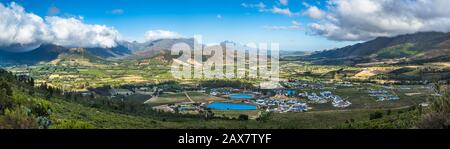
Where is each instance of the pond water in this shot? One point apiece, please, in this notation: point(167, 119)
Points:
point(231, 106)
point(241, 96)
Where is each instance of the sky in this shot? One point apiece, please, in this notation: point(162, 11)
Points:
point(307, 25)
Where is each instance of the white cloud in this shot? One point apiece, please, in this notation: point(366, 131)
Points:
point(284, 2)
point(161, 34)
point(305, 4)
point(285, 11)
point(275, 9)
point(23, 31)
point(73, 32)
point(314, 12)
point(295, 23)
point(366, 19)
point(294, 26)
point(260, 6)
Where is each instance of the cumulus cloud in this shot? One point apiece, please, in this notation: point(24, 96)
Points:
point(161, 34)
point(314, 12)
point(23, 31)
point(72, 32)
point(353, 20)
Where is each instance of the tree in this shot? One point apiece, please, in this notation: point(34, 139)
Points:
point(438, 116)
point(209, 114)
point(5, 86)
point(5, 100)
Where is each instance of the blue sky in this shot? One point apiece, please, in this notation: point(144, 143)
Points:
point(216, 20)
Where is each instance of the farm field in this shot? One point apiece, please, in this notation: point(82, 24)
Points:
point(83, 76)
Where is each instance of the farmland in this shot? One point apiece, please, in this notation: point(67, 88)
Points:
point(132, 87)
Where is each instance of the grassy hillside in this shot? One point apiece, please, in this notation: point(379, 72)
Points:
point(398, 51)
point(422, 46)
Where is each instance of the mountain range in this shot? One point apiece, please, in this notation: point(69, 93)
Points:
point(410, 48)
point(124, 49)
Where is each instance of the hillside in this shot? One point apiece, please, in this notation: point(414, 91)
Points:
point(422, 46)
point(44, 53)
point(50, 52)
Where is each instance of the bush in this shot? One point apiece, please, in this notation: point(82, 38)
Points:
point(43, 122)
point(41, 109)
point(435, 120)
point(6, 102)
point(375, 115)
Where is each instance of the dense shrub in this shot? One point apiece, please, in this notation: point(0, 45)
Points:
point(438, 116)
point(18, 118)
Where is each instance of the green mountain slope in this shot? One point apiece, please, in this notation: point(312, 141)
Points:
point(422, 46)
